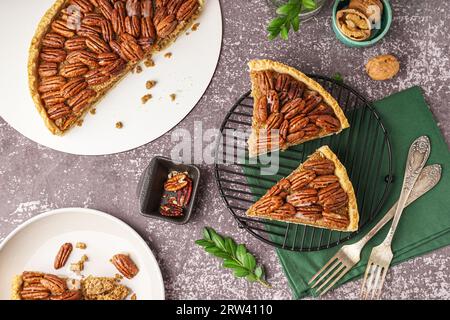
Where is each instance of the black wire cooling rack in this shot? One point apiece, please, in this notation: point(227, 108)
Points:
point(364, 149)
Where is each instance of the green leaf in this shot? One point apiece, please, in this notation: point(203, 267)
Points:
point(241, 252)
point(218, 241)
point(249, 261)
point(230, 246)
point(259, 272)
point(240, 272)
point(221, 254)
point(296, 23)
point(285, 9)
point(203, 243)
point(276, 23)
point(231, 264)
point(212, 250)
point(284, 33)
point(251, 277)
point(309, 4)
point(206, 234)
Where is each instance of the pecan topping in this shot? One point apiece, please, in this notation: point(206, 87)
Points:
point(323, 181)
point(51, 84)
point(117, 49)
point(32, 277)
point(283, 82)
point(292, 108)
point(48, 69)
point(301, 179)
point(53, 55)
point(321, 109)
point(273, 102)
point(309, 213)
point(284, 128)
point(84, 5)
point(296, 90)
point(105, 8)
point(280, 189)
point(118, 19)
point(89, 31)
point(133, 8)
point(265, 80)
point(63, 255)
point(114, 68)
point(177, 182)
point(311, 130)
point(106, 58)
point(34, 292)
point(68, 295)
point(295, 137)
point(133, 26)
point(81, 100)
point(148, 29)
point(333, 197)
point(160, 14)
point(54, 284)
point(268, 141)
point(337, 220)
point(268, 204)
point(147, 9)
point(107, 30)
point(72, 70)
point(53, 40)
point(60, 27)
point(321, 166)
point(274, 121)
point(58, 111)
point(88, 58)
point(52, 98)
point(303, 197)
point(132, 51)
point(328, 123)
point(125, 265)
point(96, 77)
point(73, 87)
point(75, 44)
point(96, 44)
point(92, 19)
point(261, 110)
point(173, 6)
point(187, 9)
point(298, 123)
point(166, 26)
point(311, 102)
point(285, 210)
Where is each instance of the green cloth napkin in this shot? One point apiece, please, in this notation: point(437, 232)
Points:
point(424, 227)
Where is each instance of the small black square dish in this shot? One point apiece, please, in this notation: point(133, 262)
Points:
point(152, 195)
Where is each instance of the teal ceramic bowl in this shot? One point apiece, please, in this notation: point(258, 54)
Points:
point(376, 36)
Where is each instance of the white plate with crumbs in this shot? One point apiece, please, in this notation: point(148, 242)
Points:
point(34, 245)
point(187, 74)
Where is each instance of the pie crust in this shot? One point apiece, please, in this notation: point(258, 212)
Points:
point(279, 68)
point(36, 46)
point(346, 185)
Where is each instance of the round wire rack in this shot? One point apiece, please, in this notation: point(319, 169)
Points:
point(364, 149)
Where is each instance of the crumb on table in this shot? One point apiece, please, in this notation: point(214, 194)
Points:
point(168, 55)
point(149, 62)
point(80, 122)
point(138, 69)
point(173, 96)
point(150, 84)
point(119, 125)
point(195, 26)
point(133, 296)
point(93, 111)
point(145, 98)
point(81, 245)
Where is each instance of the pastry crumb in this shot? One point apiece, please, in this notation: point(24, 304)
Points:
point(188, 33)
point(84, 258)
point(77, 267)
point(173, 96)
point(138, 69)
point(150, 84)
point(195, 26)
point(168, 55)
point(81, 245)
point(80, 122)
point(119, 125)
point(133, 297)
point(145, 98)
point(149, 62)
point(93, 111)
point(118, 277)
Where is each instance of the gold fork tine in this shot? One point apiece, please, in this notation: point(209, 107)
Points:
point(331, 268)
point(323, 269)
point(344, 271)
point(334, 274)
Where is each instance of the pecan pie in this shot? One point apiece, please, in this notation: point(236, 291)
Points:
point(289, 108)
point(317, 193)
point(82, 48)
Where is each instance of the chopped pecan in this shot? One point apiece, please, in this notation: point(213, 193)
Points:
point(304, 197)
point(320, 166)
point(301, 179)
point(125, 265)
point(187, 10)
point(268, 204)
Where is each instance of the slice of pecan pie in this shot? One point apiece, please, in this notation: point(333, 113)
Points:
point(317, 193)
point(289, 108)
point(82, 48)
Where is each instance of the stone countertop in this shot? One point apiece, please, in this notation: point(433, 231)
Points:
point(34, 179)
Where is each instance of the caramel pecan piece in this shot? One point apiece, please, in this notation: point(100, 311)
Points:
point(273, 102)
point(261, 110)
point(116, 47)
point(295, 137)
point(105, 8)
point(160, 14)
point(34, 292)
point(173, 6)
point(265, 80)
point(285, 210)
point(166, 26)
point(268, 204)
point(53, 83)
point(96, 77)
point(274, 121)
point(301, 179)
point(63, 255)
point(53, 55)
point(61, 27)
point(125, 265)
point(84, 5)
point(52, 98)
point(32, 277)
point(68, 295)
point(147, 9)
point(304, 197)
point(328, 123)
point(53, 40)
point(96, 44)
point(54, 284)
point(58, 111)
point(187, 10)
point(73, 70)
point(323, 181)
point(73, 87)
point(280, 189)
point(320, 166)
point(75, 44)
point(81, 100)
point(133, 26)
point(292, 108)
point(298, 123)
point(48, 69)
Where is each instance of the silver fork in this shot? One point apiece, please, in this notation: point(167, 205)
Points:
point(349, 255)
point(381, 256)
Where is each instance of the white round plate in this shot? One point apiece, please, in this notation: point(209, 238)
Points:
point(187, 74)
point(34, 244)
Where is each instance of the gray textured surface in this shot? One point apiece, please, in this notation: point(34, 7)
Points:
point(35, 179)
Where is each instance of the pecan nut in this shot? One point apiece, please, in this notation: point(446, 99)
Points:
point(292, 108)
point(133, 26)
point(147, 9)
point(75, 44)
point(48, 69)
point(58, 111)
point(52, 98)
point(280, 189)
point(301, 179)
point(328, 123)
point(298, 123)
point(148, 28)
point(295, 137)
point(125, 265)
point(53, 40)
point(285, 210)
point(53, 55)
point(84, 5)
point(114, 68)
point(92, 19)
point(106, 58)
point(63, 255)
point(265, 80)
point(311, 130)
point(284, 128)
point(88, 58)
point(54, 284)
point(336, 220)
point(261, 110)
point(81, 100)
point(274, 121)
point(321, 166)
point(96, 44)
point(132, 51)
point(311, 102)
point(166, 26)
point(273, 102)
point(118, 19)
point(323, 181)
point(309, 213)
point(53, 83)
point(303, 197)
point(187, 10)
point(61, 27)
point(176, 182)
point(283, 82)
point(268, 204)
point(105, 8)
point(32, 277)
point(73, 70)
point(86, 30)
point(107, 30)
point(333, 197)
point(73, 87)
point(34, 292)
point(68, 295)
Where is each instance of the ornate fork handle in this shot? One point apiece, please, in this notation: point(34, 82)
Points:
point(417, 157)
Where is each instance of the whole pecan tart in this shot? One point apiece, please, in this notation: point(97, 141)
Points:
point(289, 108)
point(317, 193)
point(82, 48)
